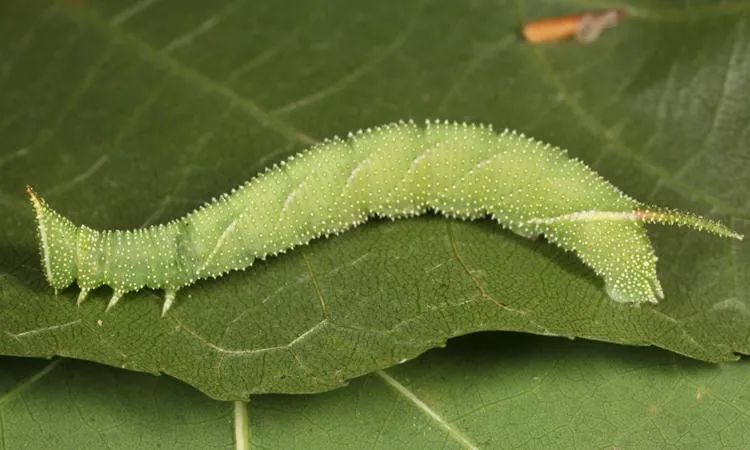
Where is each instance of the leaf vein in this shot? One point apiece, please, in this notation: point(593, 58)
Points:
point(169, 64)
point(596, 129)
point(355, 74)
point(29, 382)
point(451, 430)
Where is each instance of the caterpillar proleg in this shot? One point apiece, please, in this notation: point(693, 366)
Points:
point(397, 170)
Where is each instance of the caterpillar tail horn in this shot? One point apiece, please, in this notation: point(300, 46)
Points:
point(672, 217)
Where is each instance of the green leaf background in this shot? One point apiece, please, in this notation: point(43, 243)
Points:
point(127, 113)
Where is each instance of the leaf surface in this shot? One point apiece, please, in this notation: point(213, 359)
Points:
point(486, 390)
point(126, 114)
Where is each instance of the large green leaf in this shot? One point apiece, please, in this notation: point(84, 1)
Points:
point(128, 113)
point(487, 390)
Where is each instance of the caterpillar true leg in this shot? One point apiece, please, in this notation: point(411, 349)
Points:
point(82, 296)
point(169, 296)
point(116, 296)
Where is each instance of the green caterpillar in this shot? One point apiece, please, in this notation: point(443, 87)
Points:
point(396, 170)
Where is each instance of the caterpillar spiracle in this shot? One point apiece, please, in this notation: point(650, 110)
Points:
point(397, 170)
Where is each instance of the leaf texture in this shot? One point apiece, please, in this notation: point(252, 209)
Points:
point(135, 112)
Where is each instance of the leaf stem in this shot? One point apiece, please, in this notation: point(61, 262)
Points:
point(241, 425)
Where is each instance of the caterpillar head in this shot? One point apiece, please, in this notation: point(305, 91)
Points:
point(57, 243)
